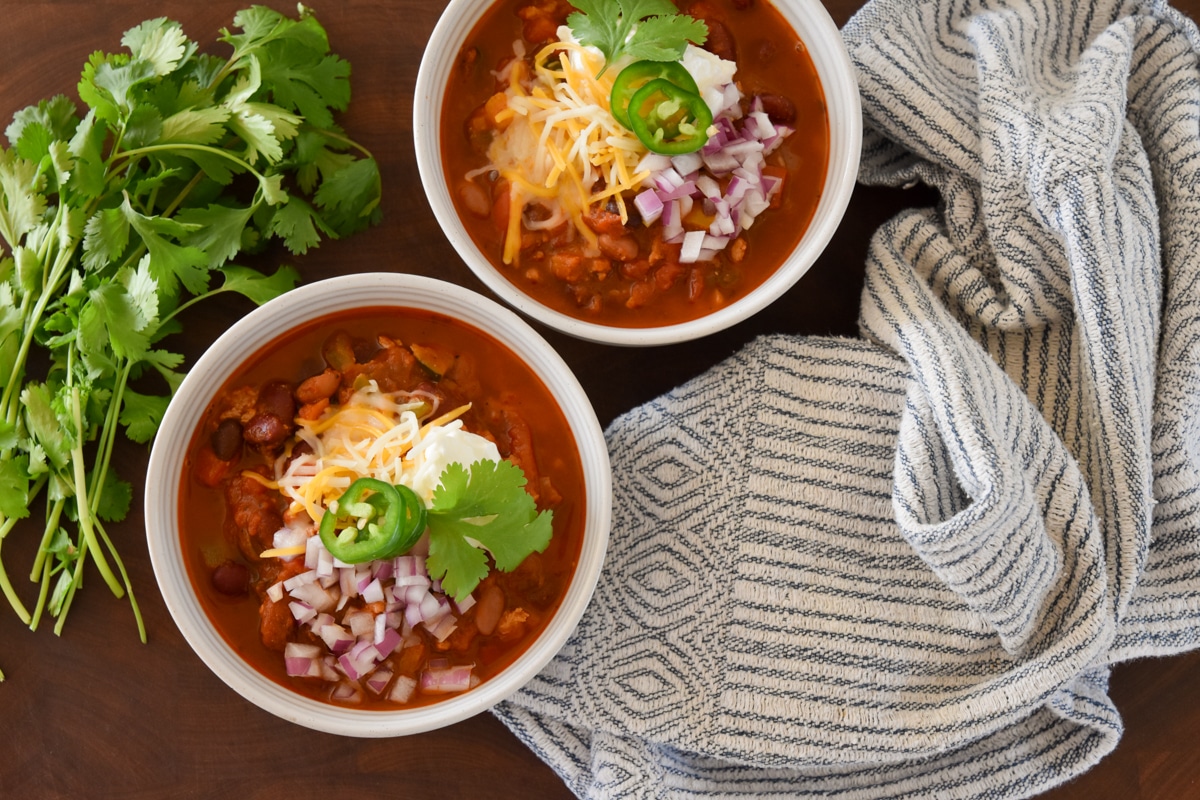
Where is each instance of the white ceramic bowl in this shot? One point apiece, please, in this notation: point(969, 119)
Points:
point(820, 35)
point(243, 340)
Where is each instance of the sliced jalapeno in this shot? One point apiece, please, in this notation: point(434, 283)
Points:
point(637, 75)
point(372, 520)
point(668, 119)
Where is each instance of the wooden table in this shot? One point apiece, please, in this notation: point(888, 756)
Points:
point(96, 714)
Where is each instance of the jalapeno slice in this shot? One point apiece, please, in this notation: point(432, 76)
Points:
point(637, 75)
point(372, 520)
point(669, 120)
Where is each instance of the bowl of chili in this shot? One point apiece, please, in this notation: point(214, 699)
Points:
point(637, 182)
point(378, 504)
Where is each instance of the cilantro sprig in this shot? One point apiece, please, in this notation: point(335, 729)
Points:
point(477, 511)
point(114, 221)
point(649, 30)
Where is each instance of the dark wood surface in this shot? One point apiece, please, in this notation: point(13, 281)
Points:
point(96, 714)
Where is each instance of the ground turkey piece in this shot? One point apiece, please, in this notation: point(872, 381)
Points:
point(253, 515)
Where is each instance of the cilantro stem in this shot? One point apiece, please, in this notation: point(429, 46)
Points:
point(43, 591)
point(6, 585)
point(137, 612)
point(202, 148)
point(81, 505)
point(52, 517)
point(346, 140)
point(57, 275)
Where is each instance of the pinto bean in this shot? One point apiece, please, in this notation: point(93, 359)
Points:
point(618, 248)
point(489, 608)
point(319, 387)
point(475, 199)
point(226, 440)
point(267, 430)
point(780, 109)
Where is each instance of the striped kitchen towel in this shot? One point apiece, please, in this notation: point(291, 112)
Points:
point(903, 565)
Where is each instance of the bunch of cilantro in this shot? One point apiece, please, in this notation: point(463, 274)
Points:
point(114, 221)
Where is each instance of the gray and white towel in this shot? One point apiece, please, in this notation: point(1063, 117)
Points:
point(903, 565)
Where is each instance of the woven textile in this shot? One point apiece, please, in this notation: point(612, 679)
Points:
point(903, 565)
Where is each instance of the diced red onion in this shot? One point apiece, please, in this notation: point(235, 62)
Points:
point(373, 591)
point(298, 657)
point(442, 627)
point(275, 591)
point(649, 205)
point(449, 679)
point(314, 595)
point(687, 163)
point(378, 680)
point(465, 604)
point(360, 622)
point(296, 581)
point(402, 689)
point(312, 552)
point(431, 609)
point(389, 642)
point(336, 638)
point(346, 693)
point(302, 612)
point(692, 242)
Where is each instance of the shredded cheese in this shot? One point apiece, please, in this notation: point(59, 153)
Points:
point(561, 147)
point(378, 435)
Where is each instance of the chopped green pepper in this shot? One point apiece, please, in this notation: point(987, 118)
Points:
point(637, 75)
point(668, 119)
point(372, 520)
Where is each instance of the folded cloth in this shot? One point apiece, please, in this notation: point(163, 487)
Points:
point(903, 565)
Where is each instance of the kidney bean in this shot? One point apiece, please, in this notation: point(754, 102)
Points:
point(779, 108)
point(231, 578)
point(319, 387)
point(275, 397)
point(226, 440)
point(267, 430)
point(720, 41)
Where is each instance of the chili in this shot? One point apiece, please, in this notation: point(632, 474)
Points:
point(373, 520)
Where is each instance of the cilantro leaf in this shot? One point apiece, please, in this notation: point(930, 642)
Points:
point(44, 425)
point(217, 230)
point(297, 224)
point(57, 117)
point(116, 496)
point(105, 238)
point(258, 287)
point(170, 263)
point(121, 318)
point(159, 42)
point(643, 29)
point(487, 504)
point(350, 197)
point(195, 125)
point(141, 415)
point(21, 189)
point(14, 487)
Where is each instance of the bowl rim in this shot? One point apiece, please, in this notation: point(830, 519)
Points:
point(820, 35)
point(245, 338)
